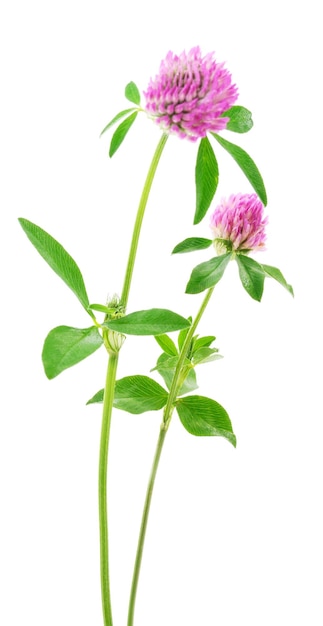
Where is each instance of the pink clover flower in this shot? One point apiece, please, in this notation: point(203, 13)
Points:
point(190, 94)
point(238, 224)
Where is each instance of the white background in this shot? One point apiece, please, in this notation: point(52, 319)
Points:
point(235, 536)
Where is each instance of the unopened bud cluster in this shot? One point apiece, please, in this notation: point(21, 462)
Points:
point(113, 340)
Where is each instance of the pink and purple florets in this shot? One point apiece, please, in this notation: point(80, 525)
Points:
point(190, 94)
point(238, 224)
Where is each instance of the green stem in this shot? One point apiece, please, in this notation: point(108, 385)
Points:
point(109, 395)
point(185, 348)
point(103, 506)
point(139, 219)
point(176, 384)
point(144, 521)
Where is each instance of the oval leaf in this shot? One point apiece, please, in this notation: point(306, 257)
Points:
point(166, 344)
point(191, 244)
point(120, 133)
point(247, 165)
point(205, 417)
point(57, 258)
point(137, 394)
point(207, 274)
point(132, 93)
point(65, 346)
point(251, 275)
point(116, 118)
point(275, 273)
point(148, 322)
point(206, 178)
point(240, 119)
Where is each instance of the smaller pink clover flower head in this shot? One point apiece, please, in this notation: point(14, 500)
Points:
point(189, 95)
point(238, 224)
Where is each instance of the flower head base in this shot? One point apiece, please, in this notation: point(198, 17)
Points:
point(238, 224)
point(190, 94)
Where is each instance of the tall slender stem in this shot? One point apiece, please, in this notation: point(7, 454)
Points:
point(103, 504)
point(109, 395)
point(144, 521)
point(139, 219)
point(176, 383)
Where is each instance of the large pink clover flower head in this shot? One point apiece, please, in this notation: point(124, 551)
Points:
point(238, 224)
point(190, 94)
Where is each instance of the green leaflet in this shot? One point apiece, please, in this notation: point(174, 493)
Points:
point(121, 132)
point(135, 394)
point(202, 416)
point(240, 119)
point(167, 362)
point(166, 368)
point(206, 178)
point(148, 322)
point(205, 355)
point(132, 93)
point(58, 259)
point(207, 274)
point(101, 308)
point(200, 342)
point(275, 273)
point(97, 398)
point(251, 275)
point(116, 118)
point(182, 335)
point(191, 244)
point(246, 164)
point(167, 344)
point(65, 346)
